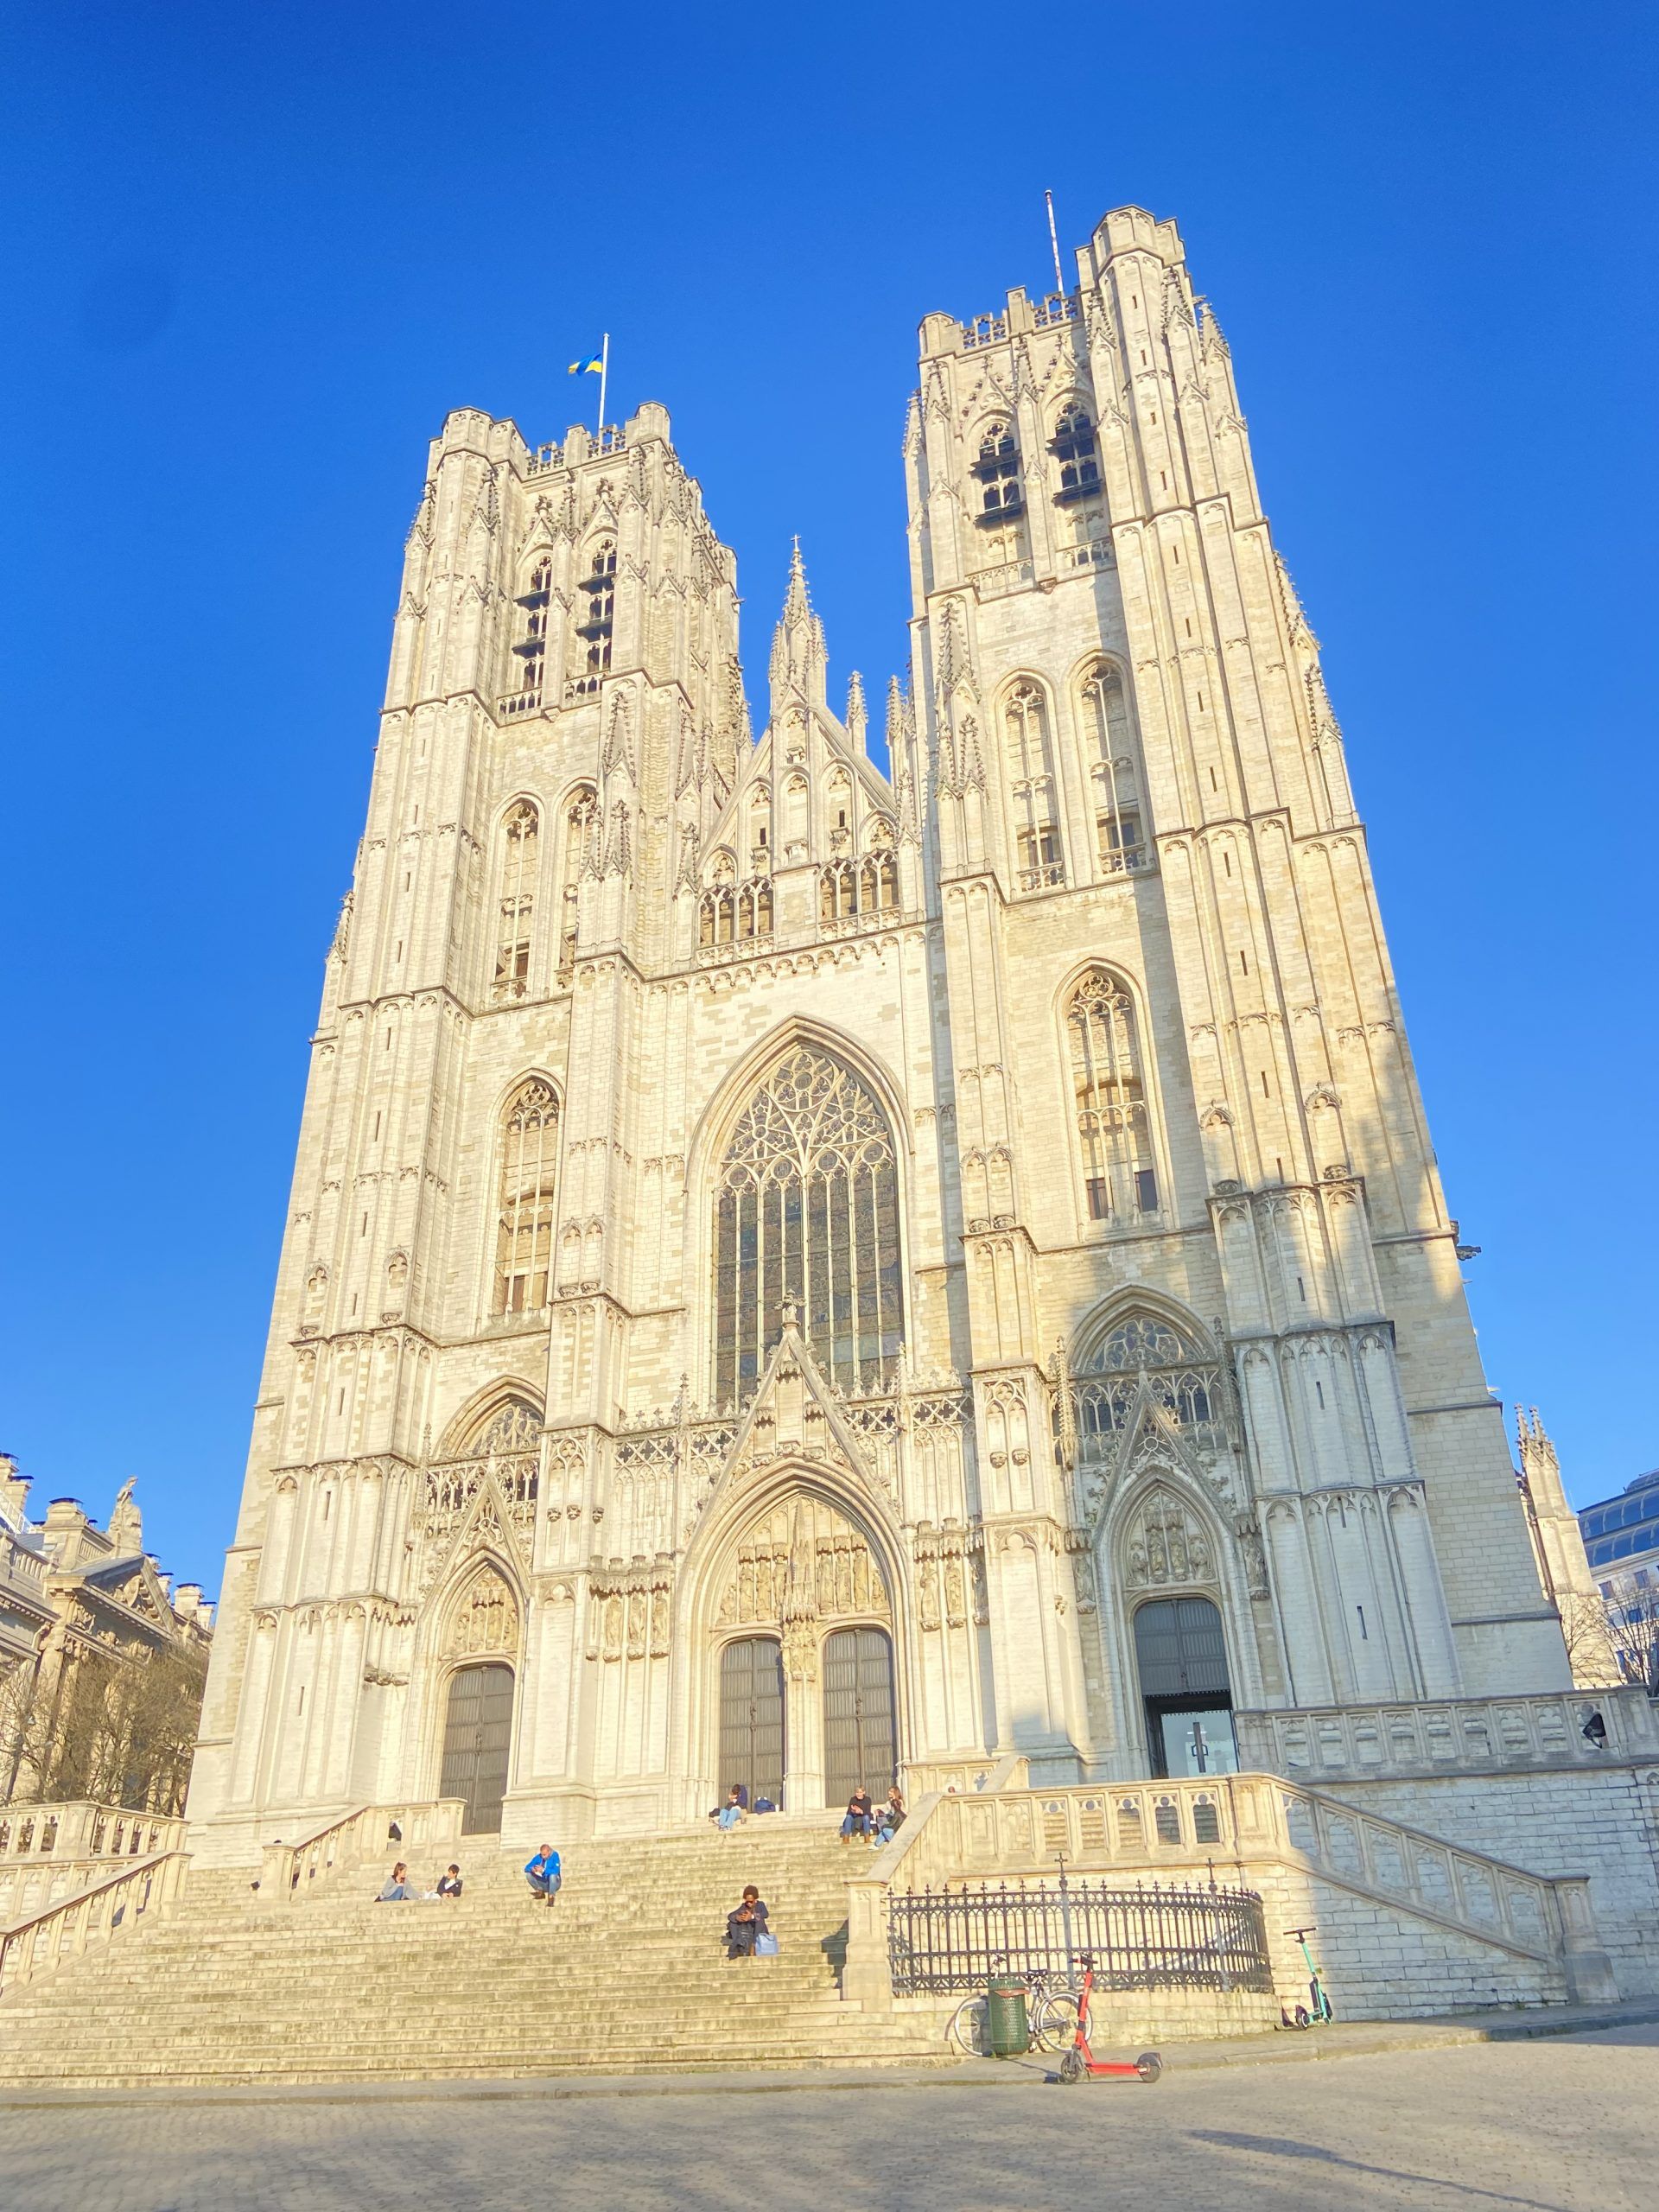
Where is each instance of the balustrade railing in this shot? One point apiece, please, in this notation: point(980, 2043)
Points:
point(83, 1829)
point(289, 1870)
point(1057, 307)
point(1042, 879)
point(1182, 1935)
point(1450, 1735)
point(519, 702)
point(112, 1904)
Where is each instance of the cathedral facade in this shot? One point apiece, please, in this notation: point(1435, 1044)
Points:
point(796, 1272)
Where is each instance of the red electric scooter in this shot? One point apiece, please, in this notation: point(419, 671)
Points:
point(1080, 2064)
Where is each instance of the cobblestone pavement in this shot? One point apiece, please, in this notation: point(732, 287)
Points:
point(1552, 2125)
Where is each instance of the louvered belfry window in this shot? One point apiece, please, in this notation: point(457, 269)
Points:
point(806, 1212)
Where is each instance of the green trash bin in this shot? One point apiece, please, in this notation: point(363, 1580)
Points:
point(1007, 2034)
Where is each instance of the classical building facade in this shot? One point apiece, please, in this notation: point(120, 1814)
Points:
point(794, 1270)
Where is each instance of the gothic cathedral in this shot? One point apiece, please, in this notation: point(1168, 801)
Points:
point(797, 1273)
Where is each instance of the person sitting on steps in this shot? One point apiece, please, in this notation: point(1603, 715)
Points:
point(399, 1889)
point(890, 1817)
point(744, 1923)
point(543, 1873)
point(448, 1883)
point(735, 1811)
point(857, 1821)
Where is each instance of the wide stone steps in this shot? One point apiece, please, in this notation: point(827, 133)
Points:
point(624, 1973)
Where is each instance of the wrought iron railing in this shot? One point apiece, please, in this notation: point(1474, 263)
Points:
point(1192, 1936)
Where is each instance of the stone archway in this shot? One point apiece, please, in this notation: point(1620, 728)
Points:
point(801, 1572)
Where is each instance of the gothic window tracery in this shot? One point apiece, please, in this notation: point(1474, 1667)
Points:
point(1075, 450)
point(998, 471)
point(734, 914)
point(581, 830)
point(1179, 1372)
point(520, 855)
point(806, 1212)
point(1030, 789)
point(1120, 812)
point(529, 1150)
point(532, 645)
point(1113, 1132)
point(848, 888)
point(598, 588)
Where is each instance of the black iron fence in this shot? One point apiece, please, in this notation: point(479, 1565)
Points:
point(1162, 1937)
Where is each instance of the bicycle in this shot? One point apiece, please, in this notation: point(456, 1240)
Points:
point(1050, 2017)
point(1323, 2009)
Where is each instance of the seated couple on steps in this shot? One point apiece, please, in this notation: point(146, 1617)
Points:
point(399, 1889)
point(877, 1823)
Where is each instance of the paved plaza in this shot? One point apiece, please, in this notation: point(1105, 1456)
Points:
point(1559, 2124)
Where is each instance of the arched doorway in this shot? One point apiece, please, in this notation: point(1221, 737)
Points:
point(1180, 1655)
point(752, 1718)
point(859, 1743)
point(477, 1743)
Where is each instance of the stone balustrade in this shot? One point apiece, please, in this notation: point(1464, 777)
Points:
point(113, 1903)
point(1259, 1828)
point(290, 1868)
point(81, 1829)
point(1449, 1736)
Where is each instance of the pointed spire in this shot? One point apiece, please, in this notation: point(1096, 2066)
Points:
point(800, 660)
point(858, 718)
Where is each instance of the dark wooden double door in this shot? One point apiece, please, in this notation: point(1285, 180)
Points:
point(860, 1737)
point(478, 1744)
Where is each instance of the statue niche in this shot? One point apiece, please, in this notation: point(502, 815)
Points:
point(483, 1618)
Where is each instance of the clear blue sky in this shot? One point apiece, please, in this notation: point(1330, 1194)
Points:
point(256, 254)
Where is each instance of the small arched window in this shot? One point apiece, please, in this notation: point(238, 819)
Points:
point(1181, 1374)
point(529, 1162)
point(1075, 450)
point(1038, 854)
point(598, 588)
point(1114, 771)
point(520, 857)
point(806, 1215)
point(998, 471)
point(581, 834)
point(531, 644)
point(1114, 1137)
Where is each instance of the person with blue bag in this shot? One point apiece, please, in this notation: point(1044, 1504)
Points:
point(747, 1935)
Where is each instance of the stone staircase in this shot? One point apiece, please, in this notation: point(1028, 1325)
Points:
point(625, 1973)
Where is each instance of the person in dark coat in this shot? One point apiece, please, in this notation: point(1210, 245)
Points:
point(857, 1822)
point(745, 1921)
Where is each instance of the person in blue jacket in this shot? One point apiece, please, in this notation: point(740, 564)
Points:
point(544, 1875)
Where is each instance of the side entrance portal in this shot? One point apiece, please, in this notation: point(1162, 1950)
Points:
point(859, 1743)
point(477, 1739)
point(752, 1718)
point(1180, 1654)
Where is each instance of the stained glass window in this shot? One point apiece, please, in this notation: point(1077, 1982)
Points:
point(806, 1210)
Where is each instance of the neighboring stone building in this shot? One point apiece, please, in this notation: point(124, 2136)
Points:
point(792, 1269)
point(71, 1592)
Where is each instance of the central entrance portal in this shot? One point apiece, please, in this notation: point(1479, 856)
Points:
point(858, 1732)
point(1180, 1653)
point(752, 1718)
point(477, 1739)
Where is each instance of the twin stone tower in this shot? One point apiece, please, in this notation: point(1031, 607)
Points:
point(795, 1272)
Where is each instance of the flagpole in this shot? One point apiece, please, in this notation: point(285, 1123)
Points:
point(604, 371)
point(1054, 242)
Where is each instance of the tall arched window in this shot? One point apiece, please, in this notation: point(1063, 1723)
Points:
point(531, 646)
point(1031, 790)
point(581, 829)
point(598, 588)
point(520, 857)
point(1120, 815)
point(998, 471)
point(1113, 1133)
point(1074, 449)
point(806, 1212)
point(529, 1167)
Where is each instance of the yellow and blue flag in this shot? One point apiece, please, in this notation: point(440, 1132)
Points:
point(578, 368)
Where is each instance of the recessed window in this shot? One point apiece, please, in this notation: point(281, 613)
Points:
point(1114, 1137)
point(1075, 450)
point(524, 1248)
point(998, 471)
point(519, 861)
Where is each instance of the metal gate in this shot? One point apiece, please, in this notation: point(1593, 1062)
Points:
point(477, 1742)
point(752, 1718)
point(858, 1734)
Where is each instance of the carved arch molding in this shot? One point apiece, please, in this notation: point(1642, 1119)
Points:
point(483, 1617)
point(802, 1564)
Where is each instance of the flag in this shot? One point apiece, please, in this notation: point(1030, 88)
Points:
point(578, 368)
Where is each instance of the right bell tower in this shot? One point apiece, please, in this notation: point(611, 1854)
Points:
point(1135, 806)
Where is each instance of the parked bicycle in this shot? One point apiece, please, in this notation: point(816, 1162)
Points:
point(1050, 2017)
